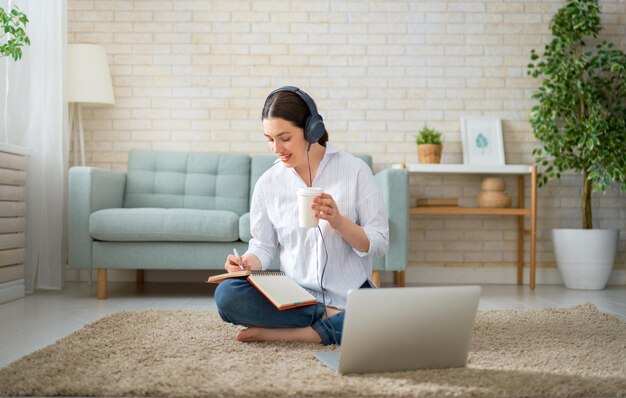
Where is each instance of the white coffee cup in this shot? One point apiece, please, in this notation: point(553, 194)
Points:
point(306, 215)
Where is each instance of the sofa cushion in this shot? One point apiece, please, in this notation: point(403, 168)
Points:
point(171, 225)
point(190, 180)
point(244, 228)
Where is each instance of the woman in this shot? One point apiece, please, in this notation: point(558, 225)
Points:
point(327, 261)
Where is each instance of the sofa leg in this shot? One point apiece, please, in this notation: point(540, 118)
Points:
point(102, 283)
point(376, 278)
point(139, 276)
point(399, 278)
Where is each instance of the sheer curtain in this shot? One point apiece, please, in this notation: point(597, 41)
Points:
point(36, 118)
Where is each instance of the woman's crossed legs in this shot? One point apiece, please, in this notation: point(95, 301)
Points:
point(240, 303)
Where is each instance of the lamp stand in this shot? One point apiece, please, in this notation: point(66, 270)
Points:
point(75, 112)
point(78, 137)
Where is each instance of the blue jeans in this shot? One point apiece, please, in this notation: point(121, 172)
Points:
point(240, 303)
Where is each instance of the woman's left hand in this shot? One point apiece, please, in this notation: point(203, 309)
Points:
point(326, 209)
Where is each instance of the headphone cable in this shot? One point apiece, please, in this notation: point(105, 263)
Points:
point(321, 278)
point(308, 163)
point(321, 283)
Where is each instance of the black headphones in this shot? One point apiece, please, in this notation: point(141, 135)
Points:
point(314, 125)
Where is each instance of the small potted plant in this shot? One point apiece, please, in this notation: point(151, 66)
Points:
point(429, 145)
point(579, 119)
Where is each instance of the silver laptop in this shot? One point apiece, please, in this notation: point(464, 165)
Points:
point(395, 329)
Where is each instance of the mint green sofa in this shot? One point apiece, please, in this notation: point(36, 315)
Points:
point(178, 210)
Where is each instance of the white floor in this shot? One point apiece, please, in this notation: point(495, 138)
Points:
point(42, 318)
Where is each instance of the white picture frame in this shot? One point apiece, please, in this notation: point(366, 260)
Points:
point(482, 141)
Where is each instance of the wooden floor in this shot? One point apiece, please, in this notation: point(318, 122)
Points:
point(42, 318)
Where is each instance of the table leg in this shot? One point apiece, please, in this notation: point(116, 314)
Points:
point(520, 231)
point(533, 225)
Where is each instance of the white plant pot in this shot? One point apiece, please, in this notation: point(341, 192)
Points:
point(585, 256)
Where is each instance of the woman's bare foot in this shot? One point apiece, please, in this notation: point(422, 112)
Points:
point(307, 335)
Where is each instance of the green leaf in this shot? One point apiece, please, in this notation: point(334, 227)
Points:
point(428, 136)
point(13, 24)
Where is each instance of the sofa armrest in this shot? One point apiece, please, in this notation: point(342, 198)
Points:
point(394, 185)
point(89, 189)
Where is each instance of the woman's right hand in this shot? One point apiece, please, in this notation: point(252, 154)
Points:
point(232, 263)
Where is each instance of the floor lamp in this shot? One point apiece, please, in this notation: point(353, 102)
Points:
point(89, 84)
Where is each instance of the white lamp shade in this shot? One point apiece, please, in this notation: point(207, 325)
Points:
point(89, 79)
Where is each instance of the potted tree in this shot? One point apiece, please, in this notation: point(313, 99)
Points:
point(580, 120)
point(429, 145)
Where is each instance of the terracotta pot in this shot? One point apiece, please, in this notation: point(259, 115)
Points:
point(429, 153)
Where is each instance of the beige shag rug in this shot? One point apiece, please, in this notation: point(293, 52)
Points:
point(573, 352)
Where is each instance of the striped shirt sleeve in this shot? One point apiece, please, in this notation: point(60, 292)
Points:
point(372, 217)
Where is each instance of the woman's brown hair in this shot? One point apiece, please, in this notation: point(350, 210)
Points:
point(291, 107)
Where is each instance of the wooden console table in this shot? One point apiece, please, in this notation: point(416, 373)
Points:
point(520, 212)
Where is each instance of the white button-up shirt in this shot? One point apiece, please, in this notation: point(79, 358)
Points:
point(274, 222)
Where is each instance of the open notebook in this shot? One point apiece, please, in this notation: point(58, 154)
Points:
point(277, 287)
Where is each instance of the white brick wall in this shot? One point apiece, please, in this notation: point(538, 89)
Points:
point(193, 74)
